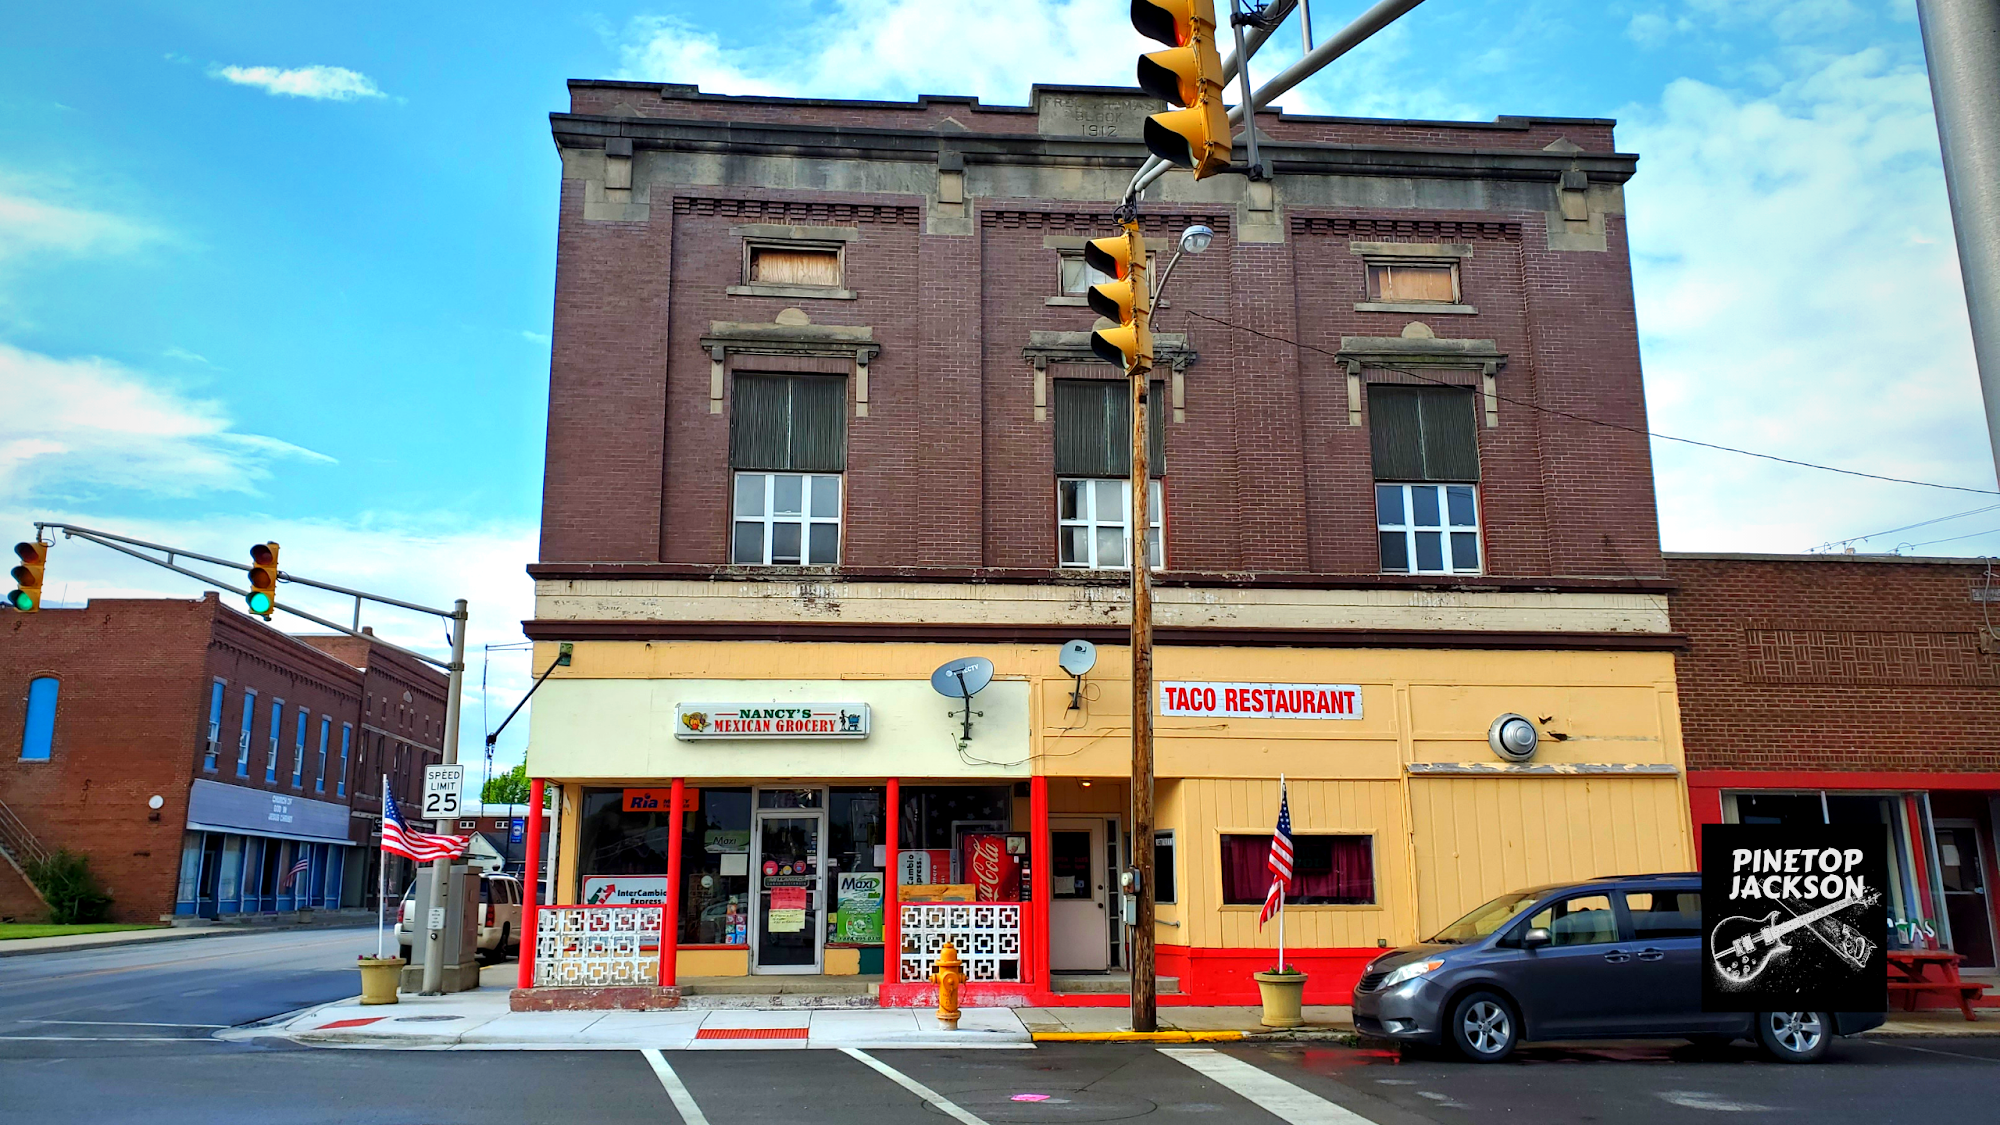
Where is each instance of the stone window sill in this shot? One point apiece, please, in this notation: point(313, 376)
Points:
point(1414, 307)
point(799, 291)
point(1068, 302)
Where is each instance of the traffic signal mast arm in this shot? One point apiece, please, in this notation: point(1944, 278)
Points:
point(124, 545)
point(1353, 35)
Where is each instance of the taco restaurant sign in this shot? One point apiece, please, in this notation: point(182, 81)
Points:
point(771, 720)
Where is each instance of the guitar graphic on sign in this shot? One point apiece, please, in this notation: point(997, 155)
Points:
point(1742, 948)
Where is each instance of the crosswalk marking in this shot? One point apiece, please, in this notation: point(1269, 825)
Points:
point(677, 1091)
point(944, 1105)
point(1267, 1091)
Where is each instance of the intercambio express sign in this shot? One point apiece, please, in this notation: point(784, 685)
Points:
point(1260, 701)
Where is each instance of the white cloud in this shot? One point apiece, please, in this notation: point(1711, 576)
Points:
point(35, 225)
point(429, 560)
point(1798, 294)
point(324, 83)
point(77, 427)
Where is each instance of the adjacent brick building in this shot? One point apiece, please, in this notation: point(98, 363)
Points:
point(195, 754)
point(821, 374)
point(1854, 689)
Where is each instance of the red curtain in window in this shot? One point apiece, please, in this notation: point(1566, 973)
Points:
point(1245, 878)
point(1348, 874)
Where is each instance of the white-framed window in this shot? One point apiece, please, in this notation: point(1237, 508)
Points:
point(215, 689)
point(243, 742)
point(277, 728)
point(1428, 528)
point(1078, 276)
point(299, 748)
point(786, 519)
point(1094, 523)
point(1429, 281)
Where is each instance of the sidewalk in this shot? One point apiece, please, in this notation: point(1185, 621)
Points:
point(481, 1021)
point(1937, 1024)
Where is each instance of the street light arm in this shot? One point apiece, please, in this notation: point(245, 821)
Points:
point(495, 736)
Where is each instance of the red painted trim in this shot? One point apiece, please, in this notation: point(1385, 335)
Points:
point(1207, 977)
point(1837, 779)
point(892, 904)
point(670, 921)
point(743, 945)
point(1041, 882)
point(531, 871)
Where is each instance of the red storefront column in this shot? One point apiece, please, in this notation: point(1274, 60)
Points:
point(892, 906)
point(1040, 882)
point(670, 913)
point(529, 873)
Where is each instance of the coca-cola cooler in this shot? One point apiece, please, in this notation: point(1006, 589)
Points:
point(996, 864)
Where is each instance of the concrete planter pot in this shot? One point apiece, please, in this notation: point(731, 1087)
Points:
point(378, 978)
point(1284, 998)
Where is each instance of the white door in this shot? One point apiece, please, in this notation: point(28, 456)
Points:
point(788, 867)
point(1079, 899)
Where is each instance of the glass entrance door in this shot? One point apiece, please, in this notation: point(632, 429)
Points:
point(788, 869)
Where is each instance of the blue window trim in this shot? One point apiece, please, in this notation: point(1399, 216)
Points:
point(38, 733)
point(346, 738)
point(299, 748)
point(325, 730)
point(277, 734)
point(214, 747)
point(249, 727)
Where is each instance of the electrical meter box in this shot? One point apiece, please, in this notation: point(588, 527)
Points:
point(460, 939)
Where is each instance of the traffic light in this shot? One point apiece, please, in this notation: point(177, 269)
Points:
point(1126, 299)
point(1189, 75)
point(34, 557)
point(263, 596)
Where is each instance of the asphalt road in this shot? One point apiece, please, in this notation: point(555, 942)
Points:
point(121, 1036)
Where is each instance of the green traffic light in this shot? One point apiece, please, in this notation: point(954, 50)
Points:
point(22, 600)
point(260, 602)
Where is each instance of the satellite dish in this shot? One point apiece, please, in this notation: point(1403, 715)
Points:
point(1078, 657)
point(962, 678)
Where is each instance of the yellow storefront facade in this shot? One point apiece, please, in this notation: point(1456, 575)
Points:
point(1405, 814)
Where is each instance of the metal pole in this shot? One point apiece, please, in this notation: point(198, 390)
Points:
point(1962, 46)
point(1306, 24)
point(441, 868)
point(531, 900)
point(1154, 167)
point(1243, 85)
point(1349, 37)
point(1145, 1013)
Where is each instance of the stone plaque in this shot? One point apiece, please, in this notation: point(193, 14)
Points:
point(1070, 113)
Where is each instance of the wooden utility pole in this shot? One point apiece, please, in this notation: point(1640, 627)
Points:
point(1145, 1002)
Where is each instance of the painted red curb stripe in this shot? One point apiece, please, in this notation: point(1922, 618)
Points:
point(349, 1023)
point(751, 1033)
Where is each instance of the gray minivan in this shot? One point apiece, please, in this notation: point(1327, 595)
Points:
point(1610, 958)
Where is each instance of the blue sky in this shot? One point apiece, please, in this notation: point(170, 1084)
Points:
point(286, 270)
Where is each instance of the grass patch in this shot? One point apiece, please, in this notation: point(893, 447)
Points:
point(11, 930)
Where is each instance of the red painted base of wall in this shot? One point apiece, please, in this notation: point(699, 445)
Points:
point(1223, 976)
point(1207, 976)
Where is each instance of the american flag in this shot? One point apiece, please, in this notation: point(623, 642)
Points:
point(301, 867)
point(1280, 862)
point(408, 842)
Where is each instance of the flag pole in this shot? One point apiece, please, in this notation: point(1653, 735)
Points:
point(381, 887)
point(1281, 890)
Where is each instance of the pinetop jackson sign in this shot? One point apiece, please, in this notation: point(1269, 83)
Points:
point(1794, 918)
point(1260, 701)
point(771, 720)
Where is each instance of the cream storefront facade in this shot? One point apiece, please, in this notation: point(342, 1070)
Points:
point(788, 854)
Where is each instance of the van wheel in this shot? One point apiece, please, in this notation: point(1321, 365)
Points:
point(1484, 1027)
point(1794, 1037)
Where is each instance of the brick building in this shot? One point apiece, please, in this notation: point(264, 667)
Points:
point(194, 753)
point(1854, 690)
point(821, 375)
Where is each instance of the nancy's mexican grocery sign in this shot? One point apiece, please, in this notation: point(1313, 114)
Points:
point(1260, 701)
point(771, 720)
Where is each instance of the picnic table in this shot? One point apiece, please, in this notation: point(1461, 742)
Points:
point(1910, 975)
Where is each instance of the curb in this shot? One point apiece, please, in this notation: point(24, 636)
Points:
point(1137, 1036)
point(168, 934)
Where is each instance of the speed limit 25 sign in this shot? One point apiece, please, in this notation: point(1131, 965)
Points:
point(442, 788)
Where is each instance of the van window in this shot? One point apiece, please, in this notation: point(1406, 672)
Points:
point(1578, 920)
point(1664, 914)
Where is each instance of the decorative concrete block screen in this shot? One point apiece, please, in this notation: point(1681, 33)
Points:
point(584, 946)
point(987, 934)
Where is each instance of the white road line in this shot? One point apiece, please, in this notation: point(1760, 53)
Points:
point(1267, 1091)
point(944, 1105)
point(677, 1090)
point(100, 1039)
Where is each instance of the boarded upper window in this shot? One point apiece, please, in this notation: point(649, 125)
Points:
point(1422, 433)
point(817, 266)
point(781, 423)
point(1094, 428)
point(1397, 282)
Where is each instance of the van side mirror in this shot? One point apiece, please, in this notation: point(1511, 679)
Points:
point(1535, 938)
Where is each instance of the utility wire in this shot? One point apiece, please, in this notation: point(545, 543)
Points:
point(1832, 543)
point(1953, 539)
point(1641, 431)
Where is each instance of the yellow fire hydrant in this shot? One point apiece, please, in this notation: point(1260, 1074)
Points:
point(948, 976)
